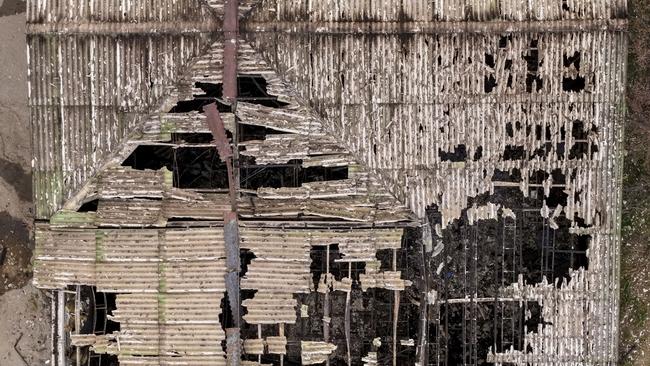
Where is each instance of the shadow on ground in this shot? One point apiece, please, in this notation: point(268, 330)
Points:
point(11, 7)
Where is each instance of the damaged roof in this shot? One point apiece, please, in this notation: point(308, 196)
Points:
point(368, 137)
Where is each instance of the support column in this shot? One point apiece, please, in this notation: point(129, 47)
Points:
point(60, 321)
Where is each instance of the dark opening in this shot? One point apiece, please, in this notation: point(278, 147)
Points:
point(581, 149)
point(542, 128)
point(270, 176)
point(573, 59)
point(530, 79)
point(464, 343)
point(210, 90)
point(509, 131)
point(199, 168)
point(246, 257)
point(559, 150)
point(193, 138)
point(248, 331)
point(385, 257)
point(489, 60)
point(225, 318)
point(251, 132)
point(505, 176)
point(543, 151)
point(95, 308)
point(318, 267)
point(533, 63)
point(196, 105)
point(319, 173)
point(573, 85)
point(556, 197)
point(459, 154)
point(478, 154)
point(566, 251)
point(489, 83)
point(192, 167)
point(253, 89)
point(565, 5)
point(578, 130)
point(291, 174)
point(102, 360)
point(90, 206)
point(150, 157)
point(514, 152)
point(503, 40)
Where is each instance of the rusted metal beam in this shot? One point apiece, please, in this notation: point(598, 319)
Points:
point(396, 295)
point(326, 304)
point(215, 123)
point(348, 319)
point(233, 346)
point(226, 153)
point(60, 329)
point(231, 34)
point(77, 321)
point(231, 238)
point(231, 232)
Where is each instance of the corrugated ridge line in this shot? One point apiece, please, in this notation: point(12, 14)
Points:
point(427, 11)
point(42, 11)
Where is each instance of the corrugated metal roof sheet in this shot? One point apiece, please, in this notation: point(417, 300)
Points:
point(427, 11)
point(125, 260)
point(425, 83)
point(315, 352)
point(170, 283)
point(114, 11)
point(86, 95)
point(406, 101)
point(393, 103)
point(271, 307)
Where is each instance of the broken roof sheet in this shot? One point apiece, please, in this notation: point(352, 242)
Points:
point(437, 119)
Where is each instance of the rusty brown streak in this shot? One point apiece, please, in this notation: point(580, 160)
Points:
point(231, 34)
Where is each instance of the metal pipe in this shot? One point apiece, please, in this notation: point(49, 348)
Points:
point(60, 321)
point(231, 35)
point(77, 321)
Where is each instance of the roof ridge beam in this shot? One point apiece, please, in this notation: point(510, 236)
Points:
point(208, 25)
point(431, 27)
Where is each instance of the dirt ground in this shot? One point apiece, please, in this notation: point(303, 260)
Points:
point(635, 261)
point(25, 328)
point(24, 310)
